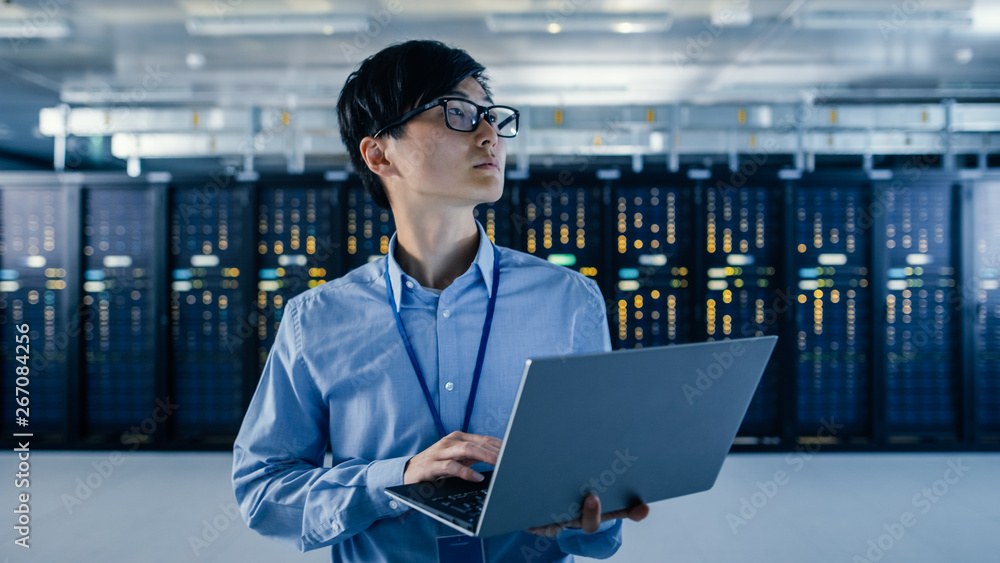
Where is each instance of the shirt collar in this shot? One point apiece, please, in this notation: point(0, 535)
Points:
point(484, 260)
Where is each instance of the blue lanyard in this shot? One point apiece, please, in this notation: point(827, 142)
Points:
point(479, 357)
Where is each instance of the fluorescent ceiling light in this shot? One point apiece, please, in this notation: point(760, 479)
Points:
point(27, 29)
point(986, 15)
point(731, 14)
point(274, 25)
point(877, 19)
point(587, 22)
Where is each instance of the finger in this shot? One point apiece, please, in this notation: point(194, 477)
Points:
point(471, 451)
point(637, 513)
point(614, 515)
point(485, 441)
point(548, 531)
point(590, 515)
point(456, 469)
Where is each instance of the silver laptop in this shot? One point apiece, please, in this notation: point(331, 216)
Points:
point(631, 426)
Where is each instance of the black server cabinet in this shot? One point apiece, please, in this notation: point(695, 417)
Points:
point(496, 218)
point(562, 224)
point(119, 300)
point(37, 241)
point(984, 288)
point(652, 248)
point(367, 227)
point(298, 248)
point(918, 222)
point(830, 268)
point(741, 248)
point(212, 320)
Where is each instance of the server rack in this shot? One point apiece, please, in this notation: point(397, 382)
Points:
point(119, 299)
point(298, 233)
point(652, 255)
point(829, 271)
point(558, 218)
point(738, 279)
point(37, 288)
point(898, 393)
point(919, 306)
point(211, 322)
point(982, 289)
point(368, 227)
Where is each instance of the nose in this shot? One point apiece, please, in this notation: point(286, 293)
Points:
point(487, 135)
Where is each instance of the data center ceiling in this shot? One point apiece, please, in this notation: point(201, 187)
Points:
point(560, 52)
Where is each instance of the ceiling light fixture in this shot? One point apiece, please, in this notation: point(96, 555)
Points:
point(986, 16)
point(27, 29)
point(274, 25)
point(576, 22)
point(731, 14)
point(873, 19)
point(195, 61)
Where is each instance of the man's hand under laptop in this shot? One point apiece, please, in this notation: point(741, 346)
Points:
point(452, 456)
point(591, 518)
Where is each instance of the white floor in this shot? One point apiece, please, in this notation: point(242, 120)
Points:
point(177, 507)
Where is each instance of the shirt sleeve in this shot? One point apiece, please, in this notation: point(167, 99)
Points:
point(602, 544)
point(592, 335)
point(283, 490)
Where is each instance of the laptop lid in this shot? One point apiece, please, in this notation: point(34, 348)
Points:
point(631, 425)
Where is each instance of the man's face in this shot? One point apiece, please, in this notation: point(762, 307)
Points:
point(452, 167)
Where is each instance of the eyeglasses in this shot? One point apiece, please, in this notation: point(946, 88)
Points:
point(463, 115)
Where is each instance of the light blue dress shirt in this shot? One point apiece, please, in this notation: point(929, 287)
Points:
point(339, 375)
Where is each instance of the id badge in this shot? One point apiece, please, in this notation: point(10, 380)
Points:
point(460, 549)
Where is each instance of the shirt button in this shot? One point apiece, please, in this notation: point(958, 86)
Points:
point(393, 504)
point(449, 386)
point(409, 284)
point(446, 313)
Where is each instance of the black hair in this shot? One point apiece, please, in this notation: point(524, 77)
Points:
point(392, 82)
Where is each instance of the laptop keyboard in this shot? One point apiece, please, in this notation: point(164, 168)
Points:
point(468, 504)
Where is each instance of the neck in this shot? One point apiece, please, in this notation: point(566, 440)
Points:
point(436, 245)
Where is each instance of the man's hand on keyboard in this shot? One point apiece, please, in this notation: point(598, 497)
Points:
point(452, 456)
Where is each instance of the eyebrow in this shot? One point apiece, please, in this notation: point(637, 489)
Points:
point(488, 99)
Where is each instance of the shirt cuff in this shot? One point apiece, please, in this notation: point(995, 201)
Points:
point(386, 473)
point(600, 545)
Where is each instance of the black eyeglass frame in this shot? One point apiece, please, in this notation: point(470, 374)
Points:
point(481, 111)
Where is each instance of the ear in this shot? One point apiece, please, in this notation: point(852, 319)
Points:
point(375, 158)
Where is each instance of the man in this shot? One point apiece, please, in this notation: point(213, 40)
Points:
point(408, 367)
